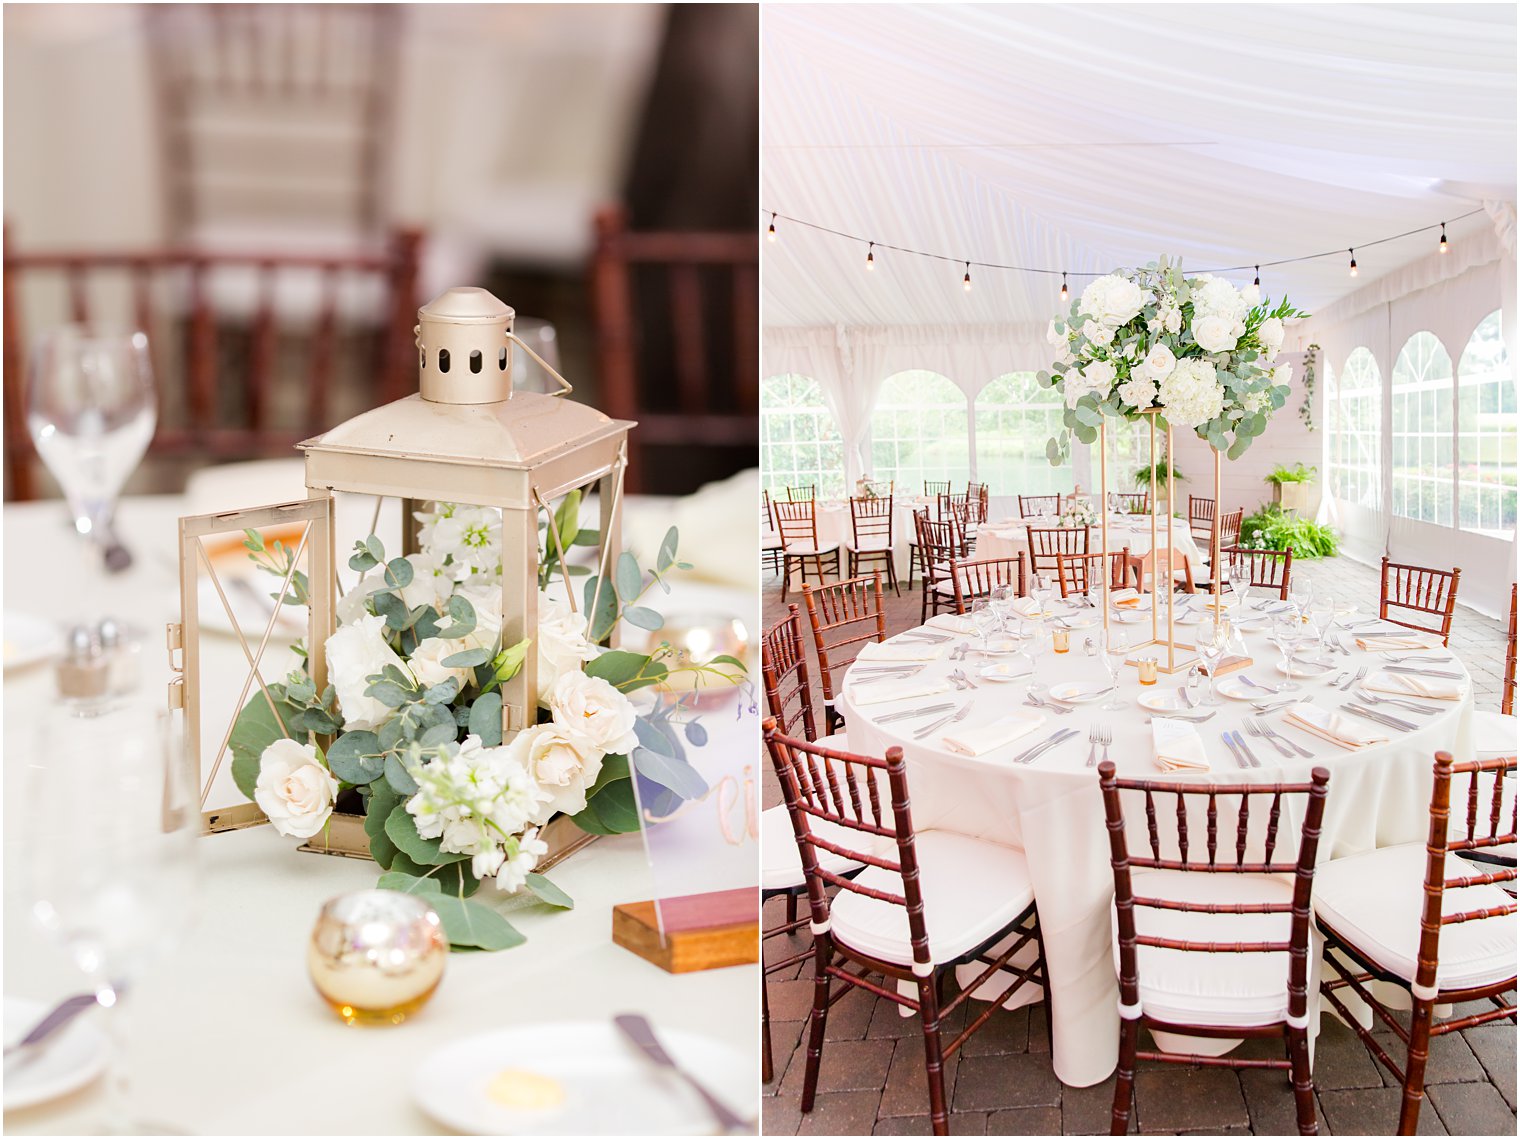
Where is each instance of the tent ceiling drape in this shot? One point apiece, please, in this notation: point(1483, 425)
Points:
point(1284, 130)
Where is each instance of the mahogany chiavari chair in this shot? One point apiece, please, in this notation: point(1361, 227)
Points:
point(1270, 569)
point(789, 700)
point(1201, 516)
point(1031, 505)
point(958, 510)
point(915, 551)
point(935, 489)
point(1495, 733)
point(1048, 543)
point(976, 508)
point(770, 541)
point(226, 389)
point(1216, 944)
point(846, 613)
point(797, 527)
point(1229, 528)
point(1134, 503)
point(939, 544)
point(871, 525)
point(807, 493)
point(1507, 701)
point(1082, 573)
point(1419, 590)
point(970, 580)
point(908, 916)
point(1394, 915)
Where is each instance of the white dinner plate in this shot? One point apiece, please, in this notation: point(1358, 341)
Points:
point(1005, 673)
point(1161, 702)
point(1081, 619)
point(1079, 691)
point(1304, 669)
point(29, 640)
point(1236, 689)
point(1131, 616)
point(72, 1060)
point(609, 1087)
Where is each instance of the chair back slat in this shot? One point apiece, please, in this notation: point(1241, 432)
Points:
point(1229, 527)
point(1419, 590)
point(1032, 504)
point(1080, 573)
point(1507, 697)
point(871, 522)
point(979, 578)
point(783, 666)
point(1134, 502)
point(935, 489)
point(796, 523)
point(1270, 569)
point(807, 493)
point(1047, 543)
point(844, 613)
point(1200, 512)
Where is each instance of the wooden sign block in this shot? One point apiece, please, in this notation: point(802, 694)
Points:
point(702, 931)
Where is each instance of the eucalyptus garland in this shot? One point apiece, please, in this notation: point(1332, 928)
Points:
point(1306, 409)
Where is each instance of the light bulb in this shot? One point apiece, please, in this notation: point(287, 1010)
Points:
point(1064, 292)
point(1443, 246)
point(871, 257)
point(966, 280)
point(770, 234)
point(1257, 281)
point(1353, 261)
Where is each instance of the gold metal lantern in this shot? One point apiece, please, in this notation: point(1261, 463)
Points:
point(464, 437)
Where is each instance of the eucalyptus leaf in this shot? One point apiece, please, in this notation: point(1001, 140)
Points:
point(446, 689)
point(388, 693)
point(629, 580)
point(485, 719)
point(643, 617)
point(254, 730)
point(376, 548)
point(398, 573)
point(440, 734)
point(409, 884)
point(547, 892)
point(587, 537)
point(393, 609)
point(667, 555)
point(464, 620)
point(617, 666)
point(696, 734)
point(567, 518)
point(614, 768)
point(356, 757)
point(401, 829)
point(474, 924)
point(382, 802)
point(667, 771)
point(398, 776)
point(652, 737)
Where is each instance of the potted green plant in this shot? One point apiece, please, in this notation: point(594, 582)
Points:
point(1290, 485)
point(1164, 471)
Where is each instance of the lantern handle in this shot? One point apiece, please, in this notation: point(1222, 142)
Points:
point(565, 387)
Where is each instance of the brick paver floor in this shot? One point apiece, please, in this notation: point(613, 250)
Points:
point(872, 1081)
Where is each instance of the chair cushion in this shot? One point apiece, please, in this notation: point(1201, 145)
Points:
point(971, 889)
point(1373, 901)
point(810, 551)
point(871, 543)
point(1214, 989)
point(781, 861)
point(770, 541)
point(1494, 734)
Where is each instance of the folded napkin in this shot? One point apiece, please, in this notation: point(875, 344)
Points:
point(1125, 598)
point(885, 690)
point(1178, 746)
point(1338, 729)
point(1403, 684)
point(900, 650)
point(1397, 642)
point(989, 737)
point(952, 623)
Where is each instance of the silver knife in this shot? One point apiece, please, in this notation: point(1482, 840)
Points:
point(1422, 671)
point(1240, 760)
point(1069, 733)
point(910, 713)
point(60, 1015)
point(1377, 718)
point(638, 1030)
point(1241, 743)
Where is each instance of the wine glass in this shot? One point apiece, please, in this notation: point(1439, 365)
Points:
point(1238, 574)
point(1287, 628)
point(1322, 614)
point(91, 410)
point(110, 830)
point(527, 374)
point(984, 618)
point(1002, 604)
point(1116, 648)
point(1212, 641)
point(1301, 593)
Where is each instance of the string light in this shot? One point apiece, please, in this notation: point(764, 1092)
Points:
point(966, 280)
point(871, 257)
point(1443, 246)
point(1353, 261)
point(1064, 291)
point(770, 234)
point(1257, 281)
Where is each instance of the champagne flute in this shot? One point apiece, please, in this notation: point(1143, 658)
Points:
point(111, 825)
point(1212, 641)
point(1286, 630)
point(91, 410)
point(1115, 652)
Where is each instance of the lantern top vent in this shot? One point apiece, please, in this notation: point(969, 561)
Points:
point(464, 352)
point(467, 305)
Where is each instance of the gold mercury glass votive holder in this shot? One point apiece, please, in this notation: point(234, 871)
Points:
point(376, 956)
point(1060, 639)
point(1147, 666)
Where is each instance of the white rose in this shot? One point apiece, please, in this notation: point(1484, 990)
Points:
point(1251, 294)
point(351, 606)
point(294, 789)
point(1214, 296)
point(356, 652)
point(1100, 334)
point(1158, 363)
point(1172, 322)
point(560, 764)
point(1282, 375)
point(426, 661)
point(1076, 386)
point(1112, 300)
point(562, 643)
point(1214, 333)
point(1139, 393)
point(589, 707)
point(1270, 333)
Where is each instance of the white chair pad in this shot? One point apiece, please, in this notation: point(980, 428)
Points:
point(781, 861)
point(1494, 734)
point(1227, 990)
point(971, 889)
point(1373, 901)
point(810, 551)
point(770, 542)
point(871, 544)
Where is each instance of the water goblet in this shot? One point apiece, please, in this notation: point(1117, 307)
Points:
point(1002, 605)
point(984, 618)
point(1322, 614)
point(1301, 593)
point(1239, 576)
point(1287, 628)
point(1116, 648)
point(1212, 641)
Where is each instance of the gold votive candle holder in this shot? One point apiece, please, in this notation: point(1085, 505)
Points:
point(376, 956)
point(1060, 640)
point(1147, 667)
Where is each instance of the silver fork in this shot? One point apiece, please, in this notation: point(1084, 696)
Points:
point(1254, 728)
point(1106, 739)
point(1273, 734)
point(960, 674)
point(1394, 700)
point(1092, 746)
point(1361, 674)
point(1041, 702)
point(954, 718)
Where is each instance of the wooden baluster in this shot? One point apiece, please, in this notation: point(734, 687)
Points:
point(79, 308)
point(202, 371)
point(1272, 819)
point(323, 350)
point(686, 317)
point(1241, 832)
point(399, 366)
point(1182, 835)
point(1213, 829)
point(261, 357)
point(1150, 823)
point(1472, 804)
point(18, 445)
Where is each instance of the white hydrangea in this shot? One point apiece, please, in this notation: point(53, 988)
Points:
point(1112, 300)
point(1192, 394)
point(1252, 402)
point(1214, 296)
point(1138, 392)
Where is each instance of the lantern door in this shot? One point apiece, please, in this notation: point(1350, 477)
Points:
point(256, 588)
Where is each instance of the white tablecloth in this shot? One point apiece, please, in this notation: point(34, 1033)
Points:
point(1010, 537)
point(1052, 809)
point(230, 1037)
point(834, 526)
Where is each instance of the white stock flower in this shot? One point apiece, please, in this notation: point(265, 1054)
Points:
point(351, 606)
point(1282, 375)
point(1172, 322)
point(1099, 334)
point(467, 537)
point(1214, 333)
point(514, 871)
point(1112, 300)
point(356, 652)
point(1158, 363)
point(1270, 333)
point(1138, 392)
point(560, 763)
point(430, 584)
point(294, 789)
point(1191, 394)
point(589, 707)
point(562, 643)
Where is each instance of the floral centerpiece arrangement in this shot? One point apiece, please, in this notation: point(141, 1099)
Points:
point(414, 712)
point(1079, 512)
point(1195, 349)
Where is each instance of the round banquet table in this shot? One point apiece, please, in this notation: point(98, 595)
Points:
point(1010, 537)
point(1052, 810)
point(834, 526)
point(230, 1015)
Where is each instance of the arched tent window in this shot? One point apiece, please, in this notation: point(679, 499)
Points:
point(1353, 442)
point(1014, 418)
point(1421, 459)
point(919, 431)
point(799, 442)
point(1486, 444)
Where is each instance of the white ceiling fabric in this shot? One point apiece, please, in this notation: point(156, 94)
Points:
point(1086, 137)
